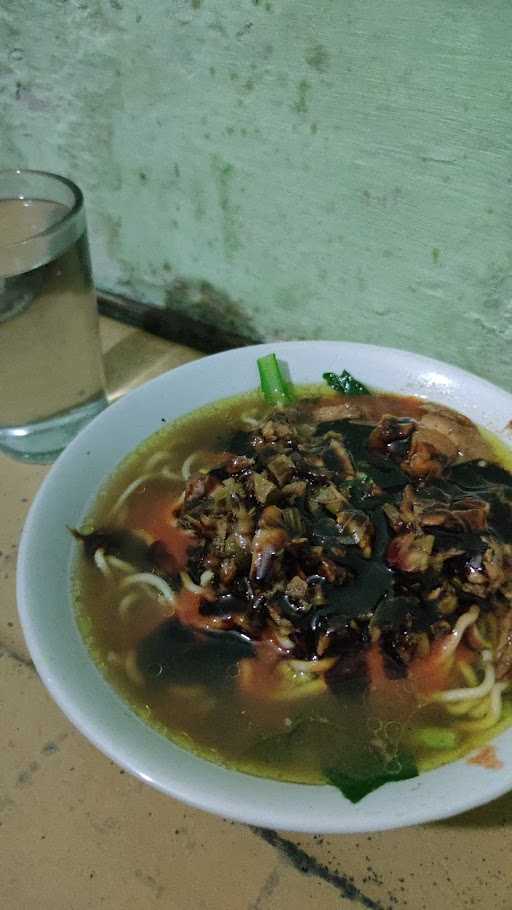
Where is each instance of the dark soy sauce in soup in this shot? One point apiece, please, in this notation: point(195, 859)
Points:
point(218, 689)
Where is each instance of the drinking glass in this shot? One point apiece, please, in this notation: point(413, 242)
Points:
point(51, 371)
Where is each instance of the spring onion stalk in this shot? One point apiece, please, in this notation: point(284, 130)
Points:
point(436, 738)
point(275, 388)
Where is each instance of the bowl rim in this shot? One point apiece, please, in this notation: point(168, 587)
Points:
point(265, 805)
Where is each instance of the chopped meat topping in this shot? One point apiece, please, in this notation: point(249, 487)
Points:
point(348, 516)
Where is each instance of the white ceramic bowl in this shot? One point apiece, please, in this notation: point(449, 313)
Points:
point(64, 664)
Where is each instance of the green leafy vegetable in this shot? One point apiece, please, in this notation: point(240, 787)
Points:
point(273, 748)
point(372, 580)
point(356, 786)
point(358, 598)
point(361, 492)
point(345, 383)
point(275, 388)
point(384, 472)
point(173, 652)
point(404, 612)
point(355, 435)
point(477, 475)
point(277, 745)
point(238, 442)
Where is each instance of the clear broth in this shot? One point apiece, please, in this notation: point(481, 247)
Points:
point(293, 740)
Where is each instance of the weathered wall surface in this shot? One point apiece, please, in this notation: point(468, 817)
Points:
point(295, 169)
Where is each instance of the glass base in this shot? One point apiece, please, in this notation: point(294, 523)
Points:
point(44, 441)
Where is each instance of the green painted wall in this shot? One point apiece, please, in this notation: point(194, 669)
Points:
point(292, 168)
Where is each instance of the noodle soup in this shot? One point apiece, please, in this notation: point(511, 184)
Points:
point(317, 592)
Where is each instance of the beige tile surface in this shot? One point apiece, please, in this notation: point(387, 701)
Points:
point(77, 833)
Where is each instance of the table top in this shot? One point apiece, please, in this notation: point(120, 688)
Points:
point(76, 832)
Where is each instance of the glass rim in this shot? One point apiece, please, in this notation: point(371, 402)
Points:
point(76, 208)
